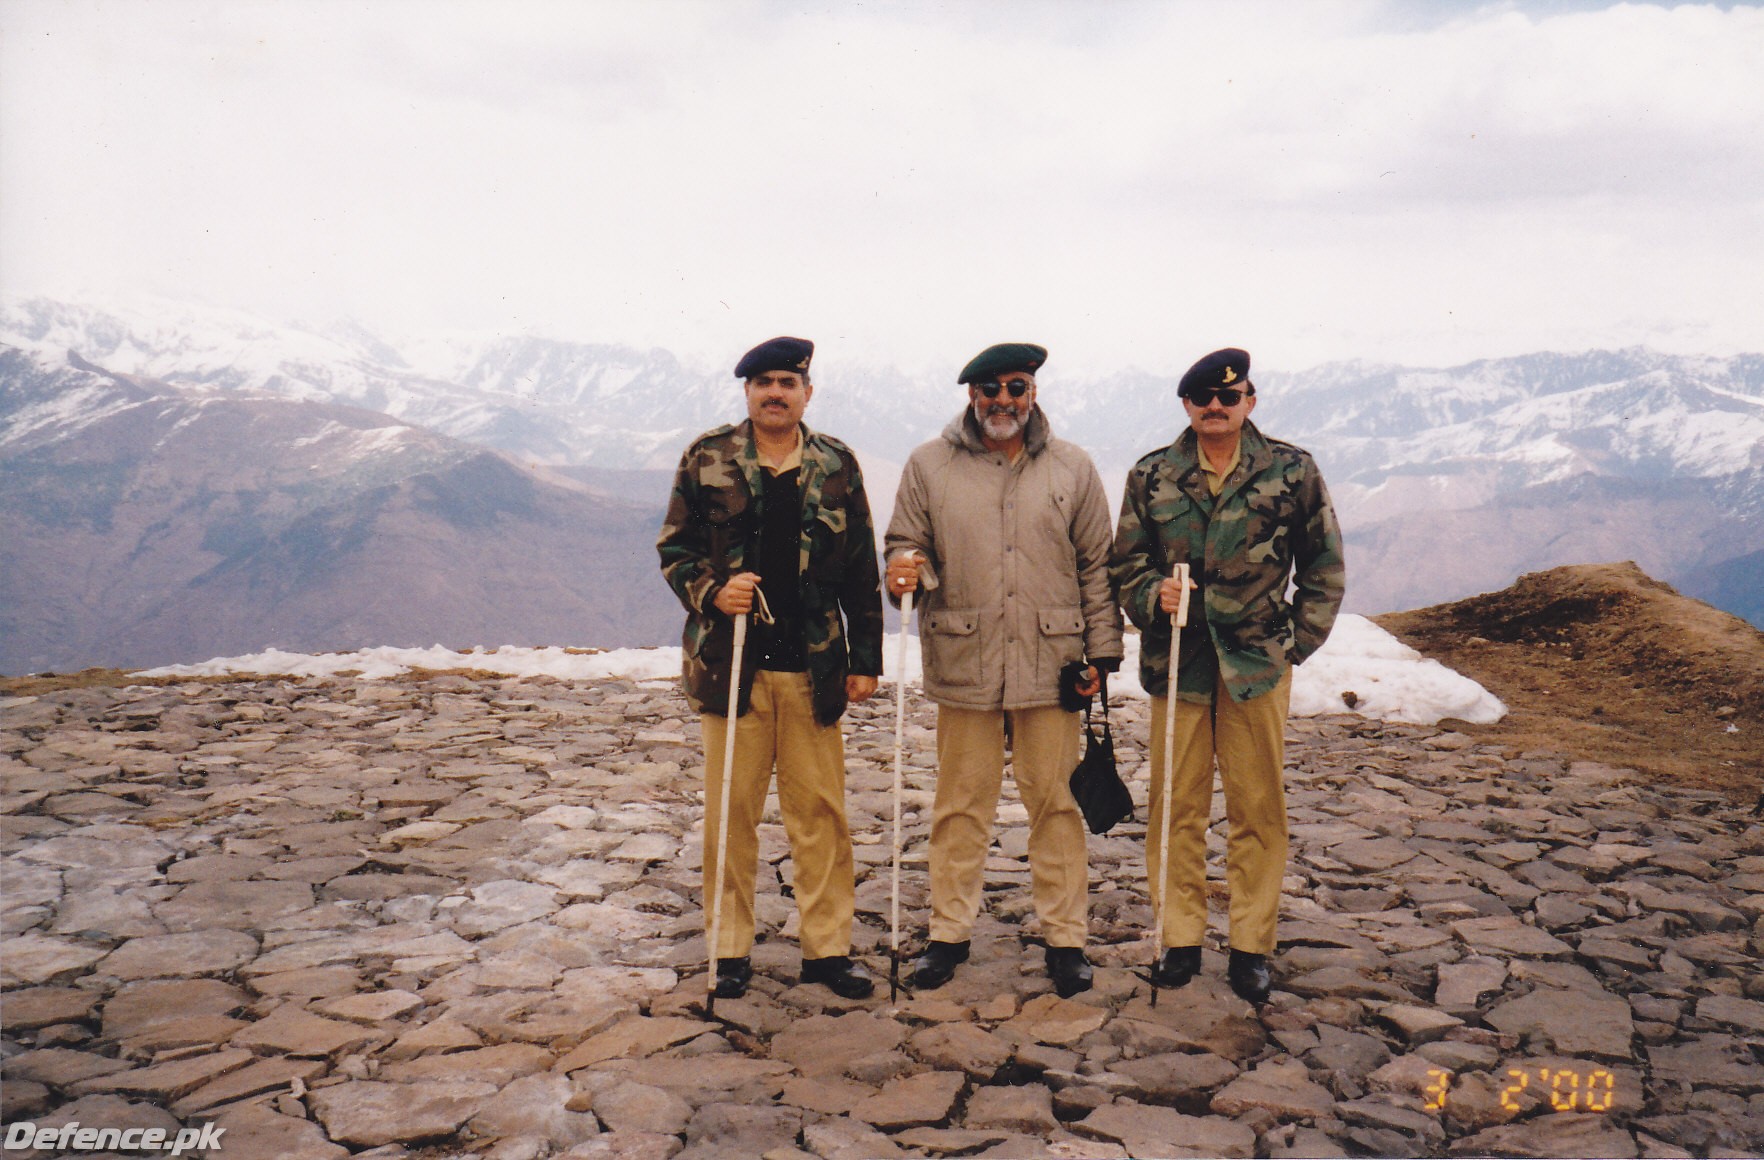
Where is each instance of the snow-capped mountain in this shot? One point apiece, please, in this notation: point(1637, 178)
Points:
point(1538, 418)
point(144, 523)
point(1449, 480)
point(542, 400)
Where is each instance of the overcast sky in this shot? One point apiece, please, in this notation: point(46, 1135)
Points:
point(1131, 184)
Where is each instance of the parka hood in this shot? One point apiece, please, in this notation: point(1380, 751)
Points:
point(964, 431)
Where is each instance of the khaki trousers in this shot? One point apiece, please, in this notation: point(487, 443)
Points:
point(780, 731)
point(970, 772)
point(1249, 740)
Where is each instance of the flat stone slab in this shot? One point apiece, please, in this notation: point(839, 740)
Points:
point(295, 1032)
point(1177, 1078)
point(153, 1003)
point(1149, 1131)
point(925, 1100)
point(266, 1075)
point(1417, 1025)
point(35, 958)
point(499, 1064)
point(1025, 1109)
point(639, 1036)
point(1597, 1024)
point(1564, 1134)
point(1053, 1020)
point(961, 1047)
point(1461, 985)
point(165, 1082)
point(828, 1044)
point(1720, 1061)
point(370, 1114)
point(119, 848)
point(950, 1141)
point(203, 952)
point(371, 1007)
point(28, 1010)
point(233, 904)
point(1285, 1089)
point(61, 1066)
point(1745, 1014)
point(1372, 855)
point(1508, 936)
point(257, 1130)
point(627, 1106)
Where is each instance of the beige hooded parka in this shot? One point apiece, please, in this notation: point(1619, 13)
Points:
point(1017, 580)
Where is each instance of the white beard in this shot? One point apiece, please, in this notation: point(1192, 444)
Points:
point(1002, 426)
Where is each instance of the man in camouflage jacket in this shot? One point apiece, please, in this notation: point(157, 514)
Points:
point(773, 507)
point(1247, 514)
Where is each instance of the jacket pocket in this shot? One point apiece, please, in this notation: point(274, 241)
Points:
point(1062, 641)
point(951, 640)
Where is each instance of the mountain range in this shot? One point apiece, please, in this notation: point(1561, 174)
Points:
point(145, 523)
point(179, 482)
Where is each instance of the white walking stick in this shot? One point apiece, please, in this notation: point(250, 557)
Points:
point(1167, 775)
point(716, 924)
point(906, 619)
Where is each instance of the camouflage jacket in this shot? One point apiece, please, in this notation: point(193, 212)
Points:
point(712, 526)
point(1272, 520)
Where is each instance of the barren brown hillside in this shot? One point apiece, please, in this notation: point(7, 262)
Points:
point(1603, 662)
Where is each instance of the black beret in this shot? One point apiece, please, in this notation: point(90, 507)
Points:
point(1222, 368)
point(1002, 359)
point(776, 354)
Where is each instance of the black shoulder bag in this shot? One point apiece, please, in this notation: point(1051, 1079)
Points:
point(1100, 792)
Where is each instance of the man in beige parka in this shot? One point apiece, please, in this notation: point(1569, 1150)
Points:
point(1004, 531)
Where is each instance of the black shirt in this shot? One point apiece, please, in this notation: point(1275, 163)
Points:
point(782, 647)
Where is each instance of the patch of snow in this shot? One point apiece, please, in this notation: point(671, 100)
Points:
point(1390, 680)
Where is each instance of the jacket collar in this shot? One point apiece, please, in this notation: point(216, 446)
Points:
point(1182, 460)
point(816, 461)
point(964, 431)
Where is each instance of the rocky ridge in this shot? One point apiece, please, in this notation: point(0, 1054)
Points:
point(461, 916)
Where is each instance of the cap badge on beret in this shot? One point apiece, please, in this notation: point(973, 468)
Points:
point(1216, 369)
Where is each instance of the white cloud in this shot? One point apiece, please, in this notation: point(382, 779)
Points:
point(1129, 183)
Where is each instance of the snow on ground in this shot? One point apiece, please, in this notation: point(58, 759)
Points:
point(1389, 680)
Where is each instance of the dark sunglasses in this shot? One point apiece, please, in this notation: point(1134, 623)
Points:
point(1201, 396)
point(1017, 387)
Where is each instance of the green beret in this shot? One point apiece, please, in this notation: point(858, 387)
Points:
point(1002, 359)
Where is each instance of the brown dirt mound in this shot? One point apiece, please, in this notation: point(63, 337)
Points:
point(1604, 663)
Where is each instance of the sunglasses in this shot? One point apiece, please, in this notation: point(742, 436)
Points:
point(1017, 387)
point(1202, 396)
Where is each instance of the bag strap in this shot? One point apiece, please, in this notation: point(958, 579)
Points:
point(1102, 693)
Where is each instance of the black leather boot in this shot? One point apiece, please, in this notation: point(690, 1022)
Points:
point(1069, 970)
point(1176, 967)
point(937, 965)
point(733, 975)
point(1249, 976)
point(840, 975)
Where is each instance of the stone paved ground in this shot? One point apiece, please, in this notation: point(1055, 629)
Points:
point(452, 917)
